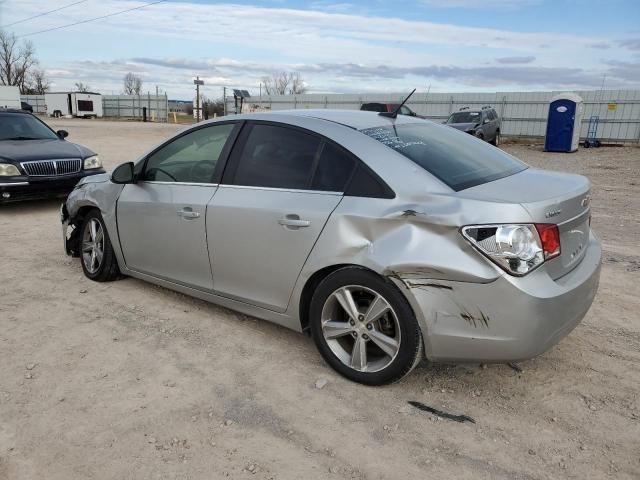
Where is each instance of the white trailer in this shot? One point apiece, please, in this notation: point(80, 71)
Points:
point(73, 104)
point(10, 97)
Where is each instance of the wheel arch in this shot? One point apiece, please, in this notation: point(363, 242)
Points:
point(310, 286)
point(76, 221)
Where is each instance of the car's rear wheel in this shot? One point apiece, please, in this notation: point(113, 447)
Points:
point(96, 253)
point(496, 140)
point(364, 327)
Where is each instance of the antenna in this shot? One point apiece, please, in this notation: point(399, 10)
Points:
point(394, 114)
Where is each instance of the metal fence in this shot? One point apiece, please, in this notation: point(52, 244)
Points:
point(524, 114)
point(119, 106)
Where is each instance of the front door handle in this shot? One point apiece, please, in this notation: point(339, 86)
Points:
point(188, 213)
point(293, 222)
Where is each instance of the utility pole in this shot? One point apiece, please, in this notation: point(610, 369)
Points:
point(224, 100)
point(197, 83)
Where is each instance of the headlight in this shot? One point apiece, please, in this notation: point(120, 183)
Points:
point(8, 170)
point(92, 162)
point(518, 249)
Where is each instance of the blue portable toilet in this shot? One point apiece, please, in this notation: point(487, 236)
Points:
point(563, 123)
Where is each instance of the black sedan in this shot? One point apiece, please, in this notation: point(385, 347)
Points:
point(36, 162)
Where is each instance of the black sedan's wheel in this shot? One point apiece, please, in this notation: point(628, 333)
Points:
point(98, 259)
point(364, 327)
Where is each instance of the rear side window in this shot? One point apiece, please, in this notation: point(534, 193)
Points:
point(456, 158)
point(334, 170)
point(277, 157)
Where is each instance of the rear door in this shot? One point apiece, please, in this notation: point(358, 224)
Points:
point(278, 191)
point(161, 218)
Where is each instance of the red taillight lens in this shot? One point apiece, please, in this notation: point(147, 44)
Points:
point(550, 238)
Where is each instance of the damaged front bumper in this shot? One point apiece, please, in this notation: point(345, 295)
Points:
point(69, 232)
point(509, 319)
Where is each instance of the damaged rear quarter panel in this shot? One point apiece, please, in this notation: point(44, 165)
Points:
point(417, 244)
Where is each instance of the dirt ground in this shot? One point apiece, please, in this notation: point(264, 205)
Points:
point(128, 380)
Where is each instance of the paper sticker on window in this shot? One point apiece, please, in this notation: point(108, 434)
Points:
point(561, 109)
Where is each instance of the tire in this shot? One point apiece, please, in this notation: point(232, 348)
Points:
point(337, 333)
point(496, 139)
point(480, 136)
point(96, 267)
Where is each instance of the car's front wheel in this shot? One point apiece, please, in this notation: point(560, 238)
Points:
point(97, 255)
point(364, 327)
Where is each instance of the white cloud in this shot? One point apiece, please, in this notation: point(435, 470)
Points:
point(238, 44)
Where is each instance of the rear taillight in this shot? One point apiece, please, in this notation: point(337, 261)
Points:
point(550, 239)
point(517, 248)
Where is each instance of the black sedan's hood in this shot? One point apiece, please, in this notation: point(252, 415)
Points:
point(463, 126)
point(49, 149)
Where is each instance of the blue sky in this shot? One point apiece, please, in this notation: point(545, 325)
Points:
point(338, 45)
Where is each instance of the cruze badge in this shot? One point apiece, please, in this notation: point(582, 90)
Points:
point(553, 213)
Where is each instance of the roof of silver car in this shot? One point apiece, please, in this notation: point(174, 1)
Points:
point(357, 119)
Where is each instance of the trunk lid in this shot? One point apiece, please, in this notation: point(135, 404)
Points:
point(549, 197)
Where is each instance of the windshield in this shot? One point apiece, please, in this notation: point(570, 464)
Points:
point(18, 126)
point(458, 159)
point(465, 117)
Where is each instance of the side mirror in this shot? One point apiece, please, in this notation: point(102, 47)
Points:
point(62, 134)
point(123, 174)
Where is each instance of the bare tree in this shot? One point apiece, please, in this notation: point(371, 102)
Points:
point(36, 83)
point(297, 83)
point(82, 87)
point(16, 60)
point(283, 83)
point(132, 84)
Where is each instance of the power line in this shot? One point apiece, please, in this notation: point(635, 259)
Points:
point(93, 19)
point(42, 14)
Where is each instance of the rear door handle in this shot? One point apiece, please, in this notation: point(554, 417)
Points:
point(188, 213)
point(293, 221)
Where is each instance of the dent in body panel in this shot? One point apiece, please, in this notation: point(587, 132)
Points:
point(418, 246)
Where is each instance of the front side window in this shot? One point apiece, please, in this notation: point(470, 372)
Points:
point(190, 158)
point(405, 110)
point(277, 157)
point(454, 157)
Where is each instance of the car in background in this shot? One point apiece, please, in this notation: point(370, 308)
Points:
point(26, 107)
point(483, 123)
point(36, 162)
point(389, 107)
point(387, 238)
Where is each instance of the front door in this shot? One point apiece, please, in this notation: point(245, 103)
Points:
point(161, 218)
point(279, 189)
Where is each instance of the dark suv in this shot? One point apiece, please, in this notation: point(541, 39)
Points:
point(483, 123)
point(389, 107)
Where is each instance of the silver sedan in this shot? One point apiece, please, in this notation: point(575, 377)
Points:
point(387, 239)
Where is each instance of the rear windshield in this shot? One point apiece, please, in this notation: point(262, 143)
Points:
point(456, 158)
point(465, 117)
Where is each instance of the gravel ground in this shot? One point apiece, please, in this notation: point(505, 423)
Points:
point(129, 380)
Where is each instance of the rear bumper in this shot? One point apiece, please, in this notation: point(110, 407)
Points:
point(509, 319)
point(33, 188)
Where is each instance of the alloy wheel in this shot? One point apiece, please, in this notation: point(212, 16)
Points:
point(361, 328)
point(93, 245)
